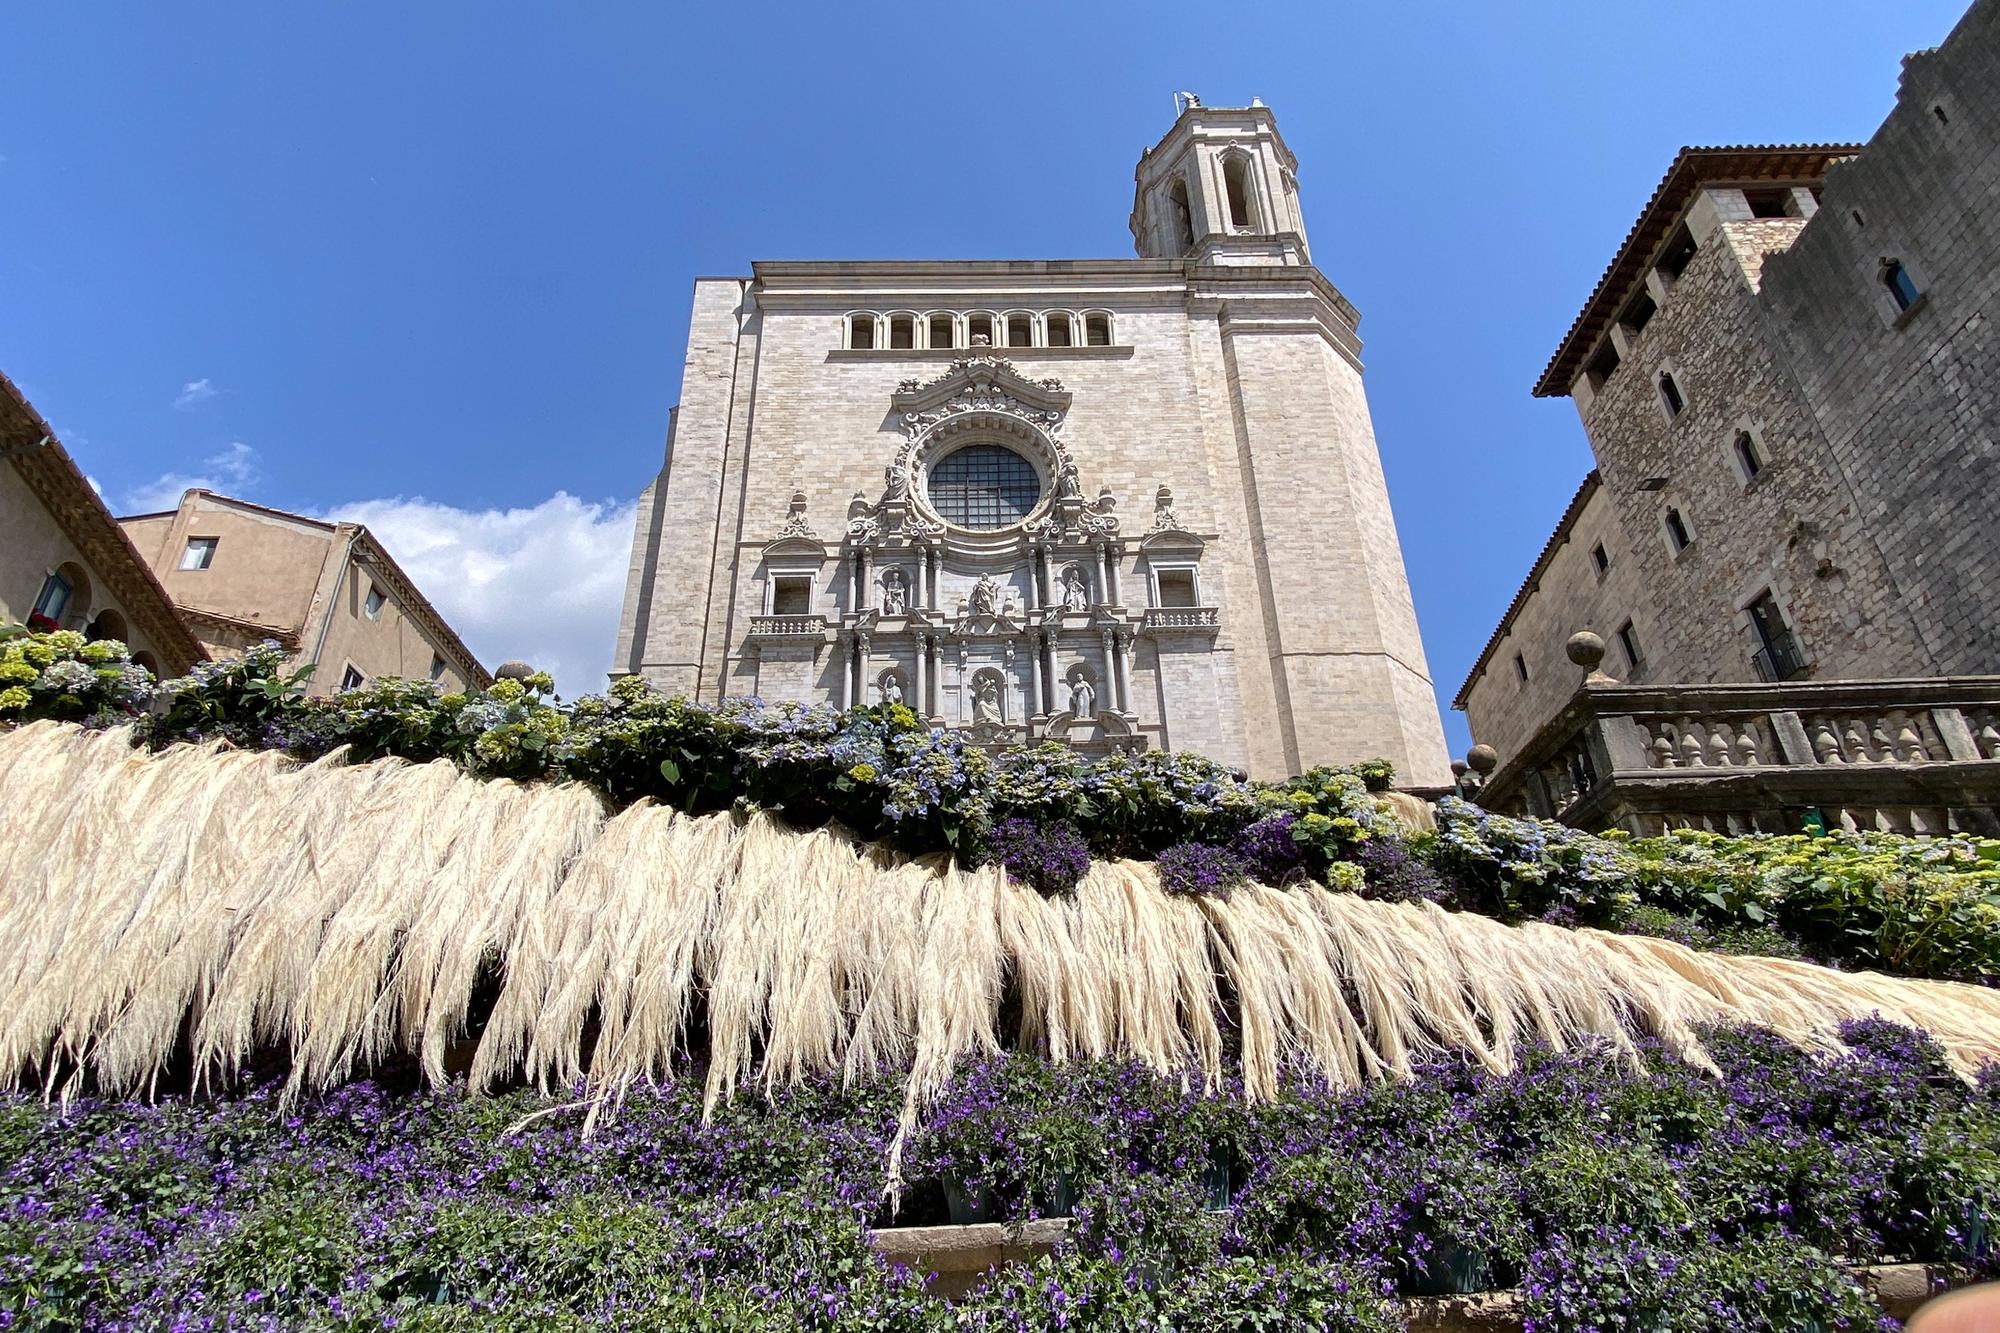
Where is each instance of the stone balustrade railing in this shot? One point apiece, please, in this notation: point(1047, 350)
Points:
point(788, 627)
point(1181, 620)
point(1915, 756)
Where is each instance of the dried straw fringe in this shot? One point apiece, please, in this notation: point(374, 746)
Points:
point(345, 912)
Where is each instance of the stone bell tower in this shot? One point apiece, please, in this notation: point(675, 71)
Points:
point(1221, 188)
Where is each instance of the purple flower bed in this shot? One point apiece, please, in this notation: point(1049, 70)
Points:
point(1706, 1202)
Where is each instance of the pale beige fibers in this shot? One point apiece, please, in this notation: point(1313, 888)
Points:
point(346, 913)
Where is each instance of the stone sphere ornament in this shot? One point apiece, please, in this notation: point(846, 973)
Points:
point(1585, 649)
point(514, 670)
point(1482, 759)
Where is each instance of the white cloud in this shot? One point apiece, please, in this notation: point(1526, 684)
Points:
point(233, 470)
point(194, 391)
point(543, 585)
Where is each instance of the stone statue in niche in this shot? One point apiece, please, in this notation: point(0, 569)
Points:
point(986, 699)
point(1082, 698)
point(985, 599)
point(1075, 590)
point(1067, 485)
point(895, 596)
point(892, 689)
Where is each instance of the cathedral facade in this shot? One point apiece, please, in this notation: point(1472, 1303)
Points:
point(1112, 503)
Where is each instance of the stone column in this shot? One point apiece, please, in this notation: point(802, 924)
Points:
point(923, 577)
point(1104, 575)
point(1111, 673)
point(861, 652)
point(846, 650)
point(1039, 559)
point(1128, 646)
point(1048, 656)
point(920, 699)
point(1113, 595)
point(1035, 672)
point(935, 559)
point(865, 599)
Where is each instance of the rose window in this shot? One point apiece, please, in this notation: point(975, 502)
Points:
point(983, 486)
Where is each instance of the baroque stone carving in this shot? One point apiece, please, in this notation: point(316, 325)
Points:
point(895, 596)
point(1164, 517)
point(985, 598)
point(795, 524)
point(1075, 590)
point(1082, 697)
point(986, 699)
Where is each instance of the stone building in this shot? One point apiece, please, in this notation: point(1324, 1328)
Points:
point(241, 573)
point(1113, 503)
point(64, 561)
point(1788, 378)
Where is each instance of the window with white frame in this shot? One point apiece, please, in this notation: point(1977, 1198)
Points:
point(352, 679)
point(1175, 587)
point(374, 602)
point(199, 552)
point(791, 594)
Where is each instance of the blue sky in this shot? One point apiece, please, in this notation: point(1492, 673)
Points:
point(430, 264)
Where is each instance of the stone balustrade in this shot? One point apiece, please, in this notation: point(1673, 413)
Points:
point(1181, 620)
point(1911, 756)
point(793, 629)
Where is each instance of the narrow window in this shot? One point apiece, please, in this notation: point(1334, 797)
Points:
point(53, 599)
point(1600, 367)
point(861, 332)
point(352, 679)
point(1638, 311)
point(375, 601)
point(1020, 331)
point(437, 667)
point(200, 553)
point(1600, 558)
point(1059, 330)
point(1179, 217)
point(1236, 183)
point(1859, 221)
point(1679, 252)
point(1176, 587)
point(1097, 330)
point(941, 331)
point(1747, 456)
point(1778, 655)
point(1942, 118)
point(1902, 287)
point(981, 327)
point(1772, 203)
point(1521, 667)
point(1630, 643)
point(1670, 394)
point(902, 332)
point(791, 596)
point(1677, 531)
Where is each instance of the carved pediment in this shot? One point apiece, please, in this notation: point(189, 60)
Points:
point(982, 384)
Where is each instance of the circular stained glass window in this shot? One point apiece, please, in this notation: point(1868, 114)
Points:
point(984, 486)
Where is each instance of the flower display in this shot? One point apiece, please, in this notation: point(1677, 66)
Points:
point(1919, 907)
point(1602, 1187)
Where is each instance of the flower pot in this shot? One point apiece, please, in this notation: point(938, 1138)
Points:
point(1215, 1178)
point(967, 1205)
point(1450, 1269)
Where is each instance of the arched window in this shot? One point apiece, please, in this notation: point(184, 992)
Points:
point(1020, 331)
point(1670, 394)
point(983, 487)
point(1062, 331)
point(1748, 459)
point(108, 625)
point(861, 332)
point(978, 327)
point(148, 661)
point(941, 331)
point(64, 599)
point(1677, 531)
point(902, 331)
point(1097, 330)
point(1902, 287)
point(1236, 183)
point(1179, 218)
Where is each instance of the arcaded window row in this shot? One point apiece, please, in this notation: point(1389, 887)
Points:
point(868, 330)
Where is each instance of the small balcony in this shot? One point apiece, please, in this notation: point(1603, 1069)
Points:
point(788, 629)
point(1169, 620)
